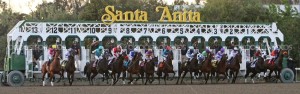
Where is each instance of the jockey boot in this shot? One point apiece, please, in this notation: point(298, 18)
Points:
point(95, 63)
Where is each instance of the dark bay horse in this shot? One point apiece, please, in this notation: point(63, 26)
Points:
point(259, 67)
point(69, 67)
point(118, 68)
point(206, 67)
point(166, 67)
point(149, 69)
point(234, 66)
point(276, 67)
point(190, 66)
point(102, 67)
point(134, 67)
point(54, 68)
point(221, 67)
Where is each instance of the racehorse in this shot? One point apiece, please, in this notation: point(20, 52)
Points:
point(118, 68)
point(276, 66)
point(221, 67)
point(134, 67)
point(148, 68)
point(103, 66)
point(259, 67)
point(166, 67)
point(234, 66)
point(69, 67)
point(206, 67)
point(190, 66)
point(54, 68)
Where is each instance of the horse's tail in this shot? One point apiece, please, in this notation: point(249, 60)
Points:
point(85, 69)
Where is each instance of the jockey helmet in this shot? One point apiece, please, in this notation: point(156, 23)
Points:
point(235, 48)
point(222, 50)
point(100, 47)
point(275, 48)
point(191, 47)
point(136, 50)
point(285, 53)
point(126, 57)
point(207, 50)
point(119, 47)
point(191, 51)
point(70, 49)
point(168, 48)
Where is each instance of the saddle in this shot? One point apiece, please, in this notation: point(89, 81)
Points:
point(64, 63)
point(214, 63)
point(161, 65)
point(142, 64)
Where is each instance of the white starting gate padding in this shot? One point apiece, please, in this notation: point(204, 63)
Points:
point(29, 57)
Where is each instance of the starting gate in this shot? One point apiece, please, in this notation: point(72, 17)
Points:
point(18, 64)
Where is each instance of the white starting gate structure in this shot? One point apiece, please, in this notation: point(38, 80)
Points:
point(18, 36)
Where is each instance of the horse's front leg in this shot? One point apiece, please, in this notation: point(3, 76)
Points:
point(165, 77)
point(51, 78)
point(179, 76)
point(43, 79)
point(124, 77)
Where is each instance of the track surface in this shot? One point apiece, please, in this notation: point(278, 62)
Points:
point(82, 87)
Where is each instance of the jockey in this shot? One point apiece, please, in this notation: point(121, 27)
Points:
point(116, 51)
point(203, 55)
point(132, 53)
point(233, 53)
point(68, 52)
point(257, 55)
point(166, 51)
point(149, 54)
point(274, 55)
point(50, 54)
point(98, 54)
point(190, 53)
point(220, 54)
point(126, 61)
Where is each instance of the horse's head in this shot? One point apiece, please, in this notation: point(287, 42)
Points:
point(57, 53)
point(170, 56)
point(224, 57)
point(106, 54)
point(239, 57)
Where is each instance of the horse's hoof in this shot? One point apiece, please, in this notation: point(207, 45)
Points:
point(131, 83)
point(52, 84)
point(44, 83)
point(245, 80)
point(124, 83)
point(253, 81)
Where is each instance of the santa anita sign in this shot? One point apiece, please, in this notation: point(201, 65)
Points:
point(113, 15)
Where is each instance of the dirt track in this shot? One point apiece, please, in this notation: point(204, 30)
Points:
point(81, 87)
point(160, 89)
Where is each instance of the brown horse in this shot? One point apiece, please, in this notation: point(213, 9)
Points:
point(206, 67)
point(221, 67)
point(166, 67)
point(276, 67)
point(190, 66)
point(234, 66)
point(134, 67)
point(70, 67)
point(148, 68)
point(102, 68)
point(259, 67)
point(118, 68)
point(54, 68)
